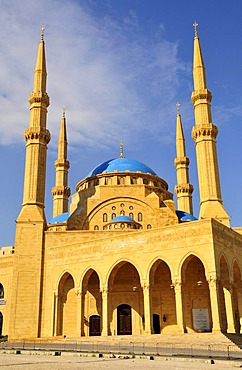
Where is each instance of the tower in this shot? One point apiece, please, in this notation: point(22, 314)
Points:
point(30, 224)
point(204, 134)
point(61, 191)
point(183, 189)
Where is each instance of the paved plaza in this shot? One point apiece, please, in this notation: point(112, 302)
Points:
point(73, 362)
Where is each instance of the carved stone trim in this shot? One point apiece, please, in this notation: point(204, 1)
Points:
point(204, 130)
point(201, 94)
point(61, 190)
point(37, 133)
point(184, 189)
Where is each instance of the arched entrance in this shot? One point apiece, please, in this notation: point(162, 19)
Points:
point(163, 306)
point(67, 306)
point(226, 299)
point(196, 297)
point(237, 297)
point(124, 320)
point(125, 292)
point(91, 305)
point(95, 325)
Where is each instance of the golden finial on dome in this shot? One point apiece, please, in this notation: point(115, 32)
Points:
point(121, 148)
point(195, 24)
point(178, 108)
point(42, 33)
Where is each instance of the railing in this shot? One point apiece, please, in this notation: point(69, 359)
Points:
point(230, 351)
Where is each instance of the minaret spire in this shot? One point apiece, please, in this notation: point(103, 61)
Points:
point(204, 134)
point(37, 136)
point(183, 189)
point(61, 191)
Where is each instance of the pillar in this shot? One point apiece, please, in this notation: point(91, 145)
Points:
point(105, 321)
point(215, 308)
point(147, 310)
point(228, 298)
point(179, 306)
point(79, 311)
point(239, 295)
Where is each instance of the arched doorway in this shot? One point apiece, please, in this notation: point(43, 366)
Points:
point(237, 297)
point(124, 320)
point(195, 296)
point(67, 307)
point(226, 299)
point(91, 305)
point(126, 302)
point(94, 326)
point(163, 306)
point(1, 323)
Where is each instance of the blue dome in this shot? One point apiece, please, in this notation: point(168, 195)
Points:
point(60, 218)
point(184, 216)
point(121, 165)
point(122, 219)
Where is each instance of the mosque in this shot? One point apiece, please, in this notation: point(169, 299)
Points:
point(121, 259)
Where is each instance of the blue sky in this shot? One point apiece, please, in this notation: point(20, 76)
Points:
point(119, 66)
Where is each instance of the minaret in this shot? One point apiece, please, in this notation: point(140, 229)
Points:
point(204, 134)
point(37, 136)
point(183, 189)
point(61, 191)
point(26, 288)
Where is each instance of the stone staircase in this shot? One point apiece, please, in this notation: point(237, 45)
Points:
point(235, 338)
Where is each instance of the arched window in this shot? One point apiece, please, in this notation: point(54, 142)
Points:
point(133, 180)
point(113, 215)
point(148, 226)
point(1, 291)
point(131, 215)
point(96, 182)
point(155, 183)
point(122, 213)
point(140, 216)
point(96, 227)
point(105, 217)
point(120, 180)
point(145, 181)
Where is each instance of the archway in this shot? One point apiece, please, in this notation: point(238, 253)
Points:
point(125, 299)
point(226, 299)
point(124, 320)
point(91, 305)
point(163, 306)
point(67, 306)
point(195, 295)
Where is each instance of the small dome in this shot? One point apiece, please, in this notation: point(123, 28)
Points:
point(121, 165)
point(122, 219)
point(60, 218)
point(184, 216)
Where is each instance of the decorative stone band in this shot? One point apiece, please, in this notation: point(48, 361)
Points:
point(184, 189)
point(39, 98)
point(37, 133)
point(208, 130)
point(61, 190)
point(62, 163)
point(203, 94)
point(181, 160)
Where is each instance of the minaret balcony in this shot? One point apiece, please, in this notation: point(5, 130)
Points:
point(203, 94)
point(208, 130)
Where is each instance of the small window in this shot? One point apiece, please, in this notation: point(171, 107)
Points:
point(133, 180)
point(105, 217)
point(96, 227)
point(120, 180)
point(131, 215)
point(148, 226)
point(145, 181)
point(122, 213)
point(140, 216)
point(113, 215)
point(155, 183)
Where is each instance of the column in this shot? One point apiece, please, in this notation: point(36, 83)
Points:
point(179, 306)
point(228, 298)
point(105, 322)
point(79, 319)
point(213, 284)
point(147, 313)
point(54, 313)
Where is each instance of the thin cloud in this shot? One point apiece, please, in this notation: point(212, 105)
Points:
point(113, 81)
